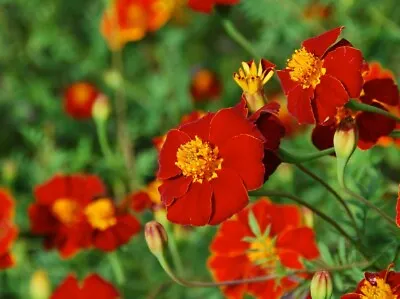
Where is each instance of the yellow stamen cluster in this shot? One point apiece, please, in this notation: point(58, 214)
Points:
point(199, 160)
point(305, 68)
point(252, 79)
point(263, 252)
point(101, 214)
point(381, 290)
point(66, 210)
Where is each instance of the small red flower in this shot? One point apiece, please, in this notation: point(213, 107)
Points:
point(321, 76)
point(378, 90)
point(92, 287)
point(58, 213)
point(384, 284)
point(147, 198)
point(79, 99)
point(208, 165)
point(8, 230)
point(112, 227)
point(206, 6)
point(258, 241)
point(129, 20)
point(317, 11)
point(205, 86)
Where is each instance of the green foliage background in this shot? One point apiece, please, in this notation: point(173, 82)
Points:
point(45, 45)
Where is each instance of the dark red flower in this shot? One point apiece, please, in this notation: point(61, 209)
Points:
point(208, 165)
point(322, 76)
point(248, 246)
point(92, 287)
point(378, 91)
point(58, 213)
point(205, 86)
point(8, 230)
point(206, 6)
point(79, 99)
point(384, 284)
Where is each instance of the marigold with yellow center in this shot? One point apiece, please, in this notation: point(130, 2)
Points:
point(262, 252)
point(305, 68)
point(381, 290)
point(203, 80)
point(252, 79)
point(66, 210)
point(198, 159)
point(101, 214)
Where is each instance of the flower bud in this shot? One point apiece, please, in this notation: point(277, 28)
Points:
point(39, 286)
point(156, 237)
point(101, 108)
point(113, 79)
point(308, 217)
point(345, 138)
point(9, 171)
point(321, 285)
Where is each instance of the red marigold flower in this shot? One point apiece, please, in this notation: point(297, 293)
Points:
point(383, 284)
point(206, 6)
point(205, 86)
point(112, 228)
point(79, 99)
point(147, 198)
point(321, 76)
point(129, 20)
point(208, 165)
point(8, 230)
point(378, 90)
point(257, 241)
point(93, 286)
point(58, 213)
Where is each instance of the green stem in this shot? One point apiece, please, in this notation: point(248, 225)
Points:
point(335, 194)
point(358, 106)
point(395, 134)
point(101, 128)
point(173, 249)
point(296, 159)
point(231, 30)
point(117, 267)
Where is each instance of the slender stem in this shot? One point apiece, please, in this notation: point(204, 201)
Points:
point(295, 159)
point(395, 134)
point(103, 140)
point(396, 255)
point(358, 106)
point(335, 194)
point(231, 30)
point(117, 267)
point(173, 249)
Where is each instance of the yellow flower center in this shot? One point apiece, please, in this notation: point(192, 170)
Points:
point(381, 290)
point(66, 210)
point(262, 252)
point(199, 160)
point(82, 93)
point(101, 214)
point(305, 68)
point(252, 79)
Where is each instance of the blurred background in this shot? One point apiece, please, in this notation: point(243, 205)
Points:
point(47, 46)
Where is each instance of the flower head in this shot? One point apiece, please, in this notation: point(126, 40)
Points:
point(259, 241)
point(8, 230)
point(206, 6)
point(208, 165)
point(205, 85)
point(321, 285)
point(79, 99)
point(156, 237)
point(321, 76)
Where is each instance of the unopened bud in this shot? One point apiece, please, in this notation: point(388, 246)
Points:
point(101, 108)
point(308, 217)
point(9, 171)
point(156, 237)
point(113, 79)
point(321, 285)
point(345, 138)
point(39, 286)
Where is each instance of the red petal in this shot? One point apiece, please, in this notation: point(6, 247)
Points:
point(382, 90)
point(351, 296)
point(51, 190)
point(244, 154)
point(299, 104)
point(174, 188)
point(204, 6)
point(167, 168)
point(301, 240)
point(290, 258)
point(84, 188)
point(230, 195)
point(67, 289)
point(228, 267)
point(322, 136)
point(200, 127)
point(140, 201)
point(329, 95)
point(228, 241)
point(283, 217)
point(319, 44)
point(42, 219)
point(264, 290)
point(96, 287)
point(228, 123)
point(105, 240)
point(345, 64)
point(6, 261)
point(272, 129)
point(241, 107)
point(286, 82)
point(271, 162)
point(194, 207)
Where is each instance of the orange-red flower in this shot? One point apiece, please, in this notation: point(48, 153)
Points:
point(147, 198)
point(317, 10)
point(58, 213)
point(258, 241)
point(206, 6)
point(79, 99)
point(92, 287)
point(322, 76)
point(208, 165)
point(379, 90)
point(129, 20)
point(384, 284)
point(205, 86)
point(8, 230)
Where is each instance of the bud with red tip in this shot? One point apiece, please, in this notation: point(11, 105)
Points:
point(321, 285)
point(156, 237)
point(101, 108)
point(39, 287)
